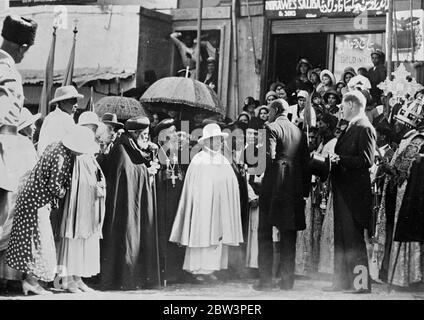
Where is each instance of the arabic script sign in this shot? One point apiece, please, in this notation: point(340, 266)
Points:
point(286, 9)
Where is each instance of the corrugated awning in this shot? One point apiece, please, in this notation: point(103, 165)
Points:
point(81, 77)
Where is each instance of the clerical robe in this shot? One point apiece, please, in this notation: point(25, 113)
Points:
point(208, 218)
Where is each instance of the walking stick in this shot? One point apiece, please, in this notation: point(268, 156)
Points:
point(394, 265)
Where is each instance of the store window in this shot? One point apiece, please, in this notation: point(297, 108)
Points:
point(354, 50)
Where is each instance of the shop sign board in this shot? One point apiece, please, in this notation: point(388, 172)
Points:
point(407, 46)
point(286, 9)
point(354, 50)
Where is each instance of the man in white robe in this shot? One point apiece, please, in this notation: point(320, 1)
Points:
point(208, 218)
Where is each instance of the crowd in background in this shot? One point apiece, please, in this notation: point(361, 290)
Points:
point(89, 202)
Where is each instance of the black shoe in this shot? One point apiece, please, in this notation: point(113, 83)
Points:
point(264, 286)
point(358, 291)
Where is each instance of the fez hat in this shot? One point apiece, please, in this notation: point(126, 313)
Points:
point(19, 30)
point(88, 117)
point(320, 166)
point(164, 124)
point(112, 119)
point(212, 130)
point(65, 93)
point(137, 123)
point(27, 118)
point(80, 139)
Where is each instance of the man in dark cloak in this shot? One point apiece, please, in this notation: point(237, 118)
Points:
point(129, 250)
point(169, 184)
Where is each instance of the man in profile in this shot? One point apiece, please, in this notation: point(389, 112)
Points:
point(282, 199)
point(18, 36)
point(354, 155)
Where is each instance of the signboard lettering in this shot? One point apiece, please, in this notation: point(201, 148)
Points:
point(323, 8)
point(354, 50)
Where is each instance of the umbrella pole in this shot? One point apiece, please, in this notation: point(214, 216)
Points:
point(181, 113)
point(199, 30)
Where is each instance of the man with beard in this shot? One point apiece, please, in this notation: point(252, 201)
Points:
point(129, 250)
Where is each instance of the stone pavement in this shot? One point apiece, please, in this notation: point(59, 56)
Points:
point(305, 289)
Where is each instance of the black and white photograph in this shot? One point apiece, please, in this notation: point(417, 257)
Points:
point(208, 158)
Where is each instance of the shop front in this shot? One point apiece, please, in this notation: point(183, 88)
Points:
point(330, 34)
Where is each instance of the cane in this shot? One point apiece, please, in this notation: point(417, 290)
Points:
point(394, 266)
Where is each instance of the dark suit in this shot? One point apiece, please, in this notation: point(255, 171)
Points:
point(285, 183)
point(376, 75)
point(352, 200)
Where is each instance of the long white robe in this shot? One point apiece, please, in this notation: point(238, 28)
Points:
point(208, 217)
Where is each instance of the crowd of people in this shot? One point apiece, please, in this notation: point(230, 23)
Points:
point(319, 179)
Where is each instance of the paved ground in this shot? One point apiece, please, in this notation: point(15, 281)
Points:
point(305, 289)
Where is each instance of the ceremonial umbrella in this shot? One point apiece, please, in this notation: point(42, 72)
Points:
point(124, 108)
point(180, 93)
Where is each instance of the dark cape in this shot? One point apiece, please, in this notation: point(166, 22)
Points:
point(129, 249)
point(168, 197)
point(410, 223)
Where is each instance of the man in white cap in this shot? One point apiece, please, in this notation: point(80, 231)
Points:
point(18, 36)
point(60, 121)
point(208, 218)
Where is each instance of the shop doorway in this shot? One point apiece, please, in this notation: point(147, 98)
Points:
point(287, 49)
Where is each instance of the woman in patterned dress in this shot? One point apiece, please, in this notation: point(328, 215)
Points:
point(31, 248)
